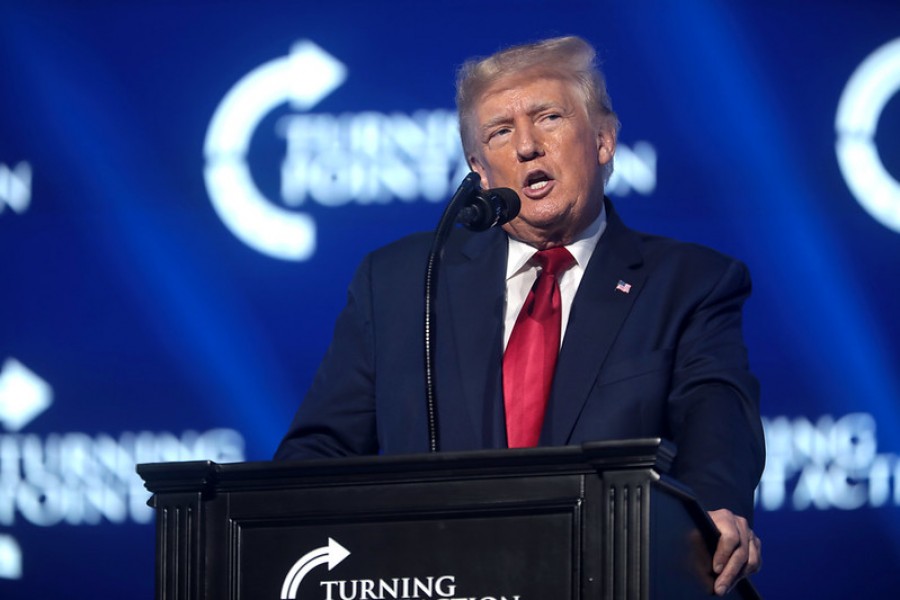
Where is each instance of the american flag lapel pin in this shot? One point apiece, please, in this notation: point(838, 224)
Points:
point(623, 287)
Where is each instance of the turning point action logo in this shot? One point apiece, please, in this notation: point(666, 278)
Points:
point(363, 158)
point(76, 478)
point(303, 78)
point(443, 587)
point(868, 91)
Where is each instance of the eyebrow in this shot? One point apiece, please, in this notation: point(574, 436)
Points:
point(494, 122)
point(532, 110)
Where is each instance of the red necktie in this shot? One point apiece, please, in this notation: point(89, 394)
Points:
point(530, 357)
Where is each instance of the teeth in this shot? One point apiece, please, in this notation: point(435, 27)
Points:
point(538, 185)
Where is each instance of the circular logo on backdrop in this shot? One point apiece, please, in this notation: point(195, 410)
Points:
point(303, 78)
point(363, 158)
point(868, 91)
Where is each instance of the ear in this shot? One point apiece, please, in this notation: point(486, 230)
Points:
point(476, 165)
point(606, 142)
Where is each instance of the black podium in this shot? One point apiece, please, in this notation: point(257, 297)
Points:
point(599, 521)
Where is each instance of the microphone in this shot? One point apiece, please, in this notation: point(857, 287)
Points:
point(479, 210)
point(484, 209)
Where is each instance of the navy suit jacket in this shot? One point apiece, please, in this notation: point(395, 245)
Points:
point(665, 358)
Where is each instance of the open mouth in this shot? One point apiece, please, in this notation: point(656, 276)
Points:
point(537, 181)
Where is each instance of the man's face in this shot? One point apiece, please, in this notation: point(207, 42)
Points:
point(534, 135)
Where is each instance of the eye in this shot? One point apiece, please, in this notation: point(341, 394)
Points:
point(498, 136)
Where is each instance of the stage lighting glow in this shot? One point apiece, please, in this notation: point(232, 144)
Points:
point(868, 91)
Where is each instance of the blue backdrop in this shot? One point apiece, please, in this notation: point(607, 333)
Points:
point(187, 187)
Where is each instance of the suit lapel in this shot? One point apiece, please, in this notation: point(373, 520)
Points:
point(474, 297)
point(598, 312)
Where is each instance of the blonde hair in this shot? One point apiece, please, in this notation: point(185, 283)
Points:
point(569, 58)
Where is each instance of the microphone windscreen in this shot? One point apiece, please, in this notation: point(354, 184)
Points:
point(509, 204)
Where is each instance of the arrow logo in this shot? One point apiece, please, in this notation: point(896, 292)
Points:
point(332, 554)
point(303, 78)
point(23, 395)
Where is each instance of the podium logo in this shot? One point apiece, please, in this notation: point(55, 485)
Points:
point(332, 555)
point(868, 91)
point(441, 587)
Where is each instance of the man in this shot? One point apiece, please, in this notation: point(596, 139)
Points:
point(620, 335)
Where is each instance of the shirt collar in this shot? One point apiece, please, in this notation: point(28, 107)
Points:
point(581, 248)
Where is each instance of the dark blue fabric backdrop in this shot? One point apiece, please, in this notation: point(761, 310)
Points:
point(139, 322)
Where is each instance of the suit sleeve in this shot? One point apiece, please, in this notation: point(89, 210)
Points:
point(714, 400)
point(337, 416)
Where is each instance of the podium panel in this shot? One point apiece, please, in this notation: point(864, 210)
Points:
point(596, 521)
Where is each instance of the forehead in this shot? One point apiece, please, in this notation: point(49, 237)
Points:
point(524, 93)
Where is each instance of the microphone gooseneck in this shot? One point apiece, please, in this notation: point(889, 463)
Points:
point(479, 210)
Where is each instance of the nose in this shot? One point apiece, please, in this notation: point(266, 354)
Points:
point(528, 144)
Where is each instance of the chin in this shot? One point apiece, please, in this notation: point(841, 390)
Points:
point(545, 219)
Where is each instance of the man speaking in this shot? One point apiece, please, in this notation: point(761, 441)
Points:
point(562, 328)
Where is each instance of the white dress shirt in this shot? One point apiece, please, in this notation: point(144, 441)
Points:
point(521, 274)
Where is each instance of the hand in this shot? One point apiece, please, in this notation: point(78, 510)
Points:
point(738, 553)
